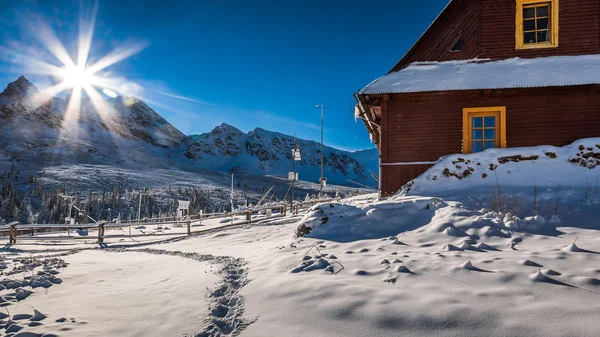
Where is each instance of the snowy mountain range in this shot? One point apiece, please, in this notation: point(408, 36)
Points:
point(263, 152)
point(37, 131)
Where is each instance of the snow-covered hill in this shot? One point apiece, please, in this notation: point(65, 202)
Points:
point(265, 152)
point(131, 134)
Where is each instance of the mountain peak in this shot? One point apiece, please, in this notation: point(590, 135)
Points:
point(226, 128)
point(22, 79)
point(20, 88)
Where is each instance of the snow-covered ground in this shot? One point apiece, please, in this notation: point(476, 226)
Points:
point(452, 256)
point(116, 294)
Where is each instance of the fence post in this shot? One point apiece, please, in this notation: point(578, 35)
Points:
point(189, 227)
point(249, 216)
point(12, 235)
point(283, 208)
point(101, 233)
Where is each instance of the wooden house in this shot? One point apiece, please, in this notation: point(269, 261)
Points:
point(487, 73)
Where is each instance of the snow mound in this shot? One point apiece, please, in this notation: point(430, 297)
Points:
point(369, 219)
point(484, 246)
point(550, 272)
point(539, 277)
point(515, 167)
point(530, 263)
point(489, 231)
point(468, 265)
point(311, 265)
point(404, 270)
point(573, 248)
point(451, 248)
point(453, 231)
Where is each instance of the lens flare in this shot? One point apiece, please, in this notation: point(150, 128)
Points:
point(76, 76)
point(85, 79)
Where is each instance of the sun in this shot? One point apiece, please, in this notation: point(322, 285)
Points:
point(77, 77)
point(83, 77)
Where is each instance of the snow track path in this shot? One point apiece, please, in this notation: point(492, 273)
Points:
point(223, 316)
point(227, 305)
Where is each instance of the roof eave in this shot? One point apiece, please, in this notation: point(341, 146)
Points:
point(474, 89)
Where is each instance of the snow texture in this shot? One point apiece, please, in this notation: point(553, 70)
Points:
point(375, 284)
point(485, 74)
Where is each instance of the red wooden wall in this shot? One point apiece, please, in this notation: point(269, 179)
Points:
point(422, 127)
point(488, 27)
point(578, 30)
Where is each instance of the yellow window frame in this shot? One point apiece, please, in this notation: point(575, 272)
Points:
point(553, 22)
point(468, 113)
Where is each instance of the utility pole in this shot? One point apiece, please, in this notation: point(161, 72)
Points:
point(321, 182)
point(140, 207)
point(231, 197)
point(293, 176)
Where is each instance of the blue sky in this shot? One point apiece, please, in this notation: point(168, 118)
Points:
point(247, 63)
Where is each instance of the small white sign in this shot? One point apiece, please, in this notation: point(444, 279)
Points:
point(324, 182)
point(296, 154)
point(293, 176)
point(184, 205)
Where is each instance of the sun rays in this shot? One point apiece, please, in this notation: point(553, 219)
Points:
point(73, 73)
point(76, 62)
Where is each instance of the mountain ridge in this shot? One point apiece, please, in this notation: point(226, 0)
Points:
point(131, 133)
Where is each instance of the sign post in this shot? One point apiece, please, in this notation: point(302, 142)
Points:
point(293, 176)
point(183, 209)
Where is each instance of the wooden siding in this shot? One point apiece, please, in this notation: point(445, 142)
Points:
point(423, 127)
point(460, 18)
point(393, 177)
point(489, 31)
point(577, 29)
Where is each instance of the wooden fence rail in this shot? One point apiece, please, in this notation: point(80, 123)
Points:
point(28, 231)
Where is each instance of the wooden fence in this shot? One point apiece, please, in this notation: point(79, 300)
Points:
point(28, 231)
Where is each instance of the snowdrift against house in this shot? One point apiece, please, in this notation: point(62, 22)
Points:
point(483, 74)
point(491, 194)
point(571, 167)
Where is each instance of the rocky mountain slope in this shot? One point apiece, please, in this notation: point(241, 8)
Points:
point(265, 152)
point(131, 134)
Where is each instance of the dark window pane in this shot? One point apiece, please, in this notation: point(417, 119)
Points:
point(490, 122)
point(490, 145)
point(458, 45)
point(490, 134)
point(542, 11)
point(528, 12)
point(541, 24)
point(477, 134)
point(477, 146)
point(477, 122)
point(529, 37)
point(528, 25)
point(543, 36)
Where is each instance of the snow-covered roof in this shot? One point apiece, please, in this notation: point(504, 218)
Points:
point(484, 74)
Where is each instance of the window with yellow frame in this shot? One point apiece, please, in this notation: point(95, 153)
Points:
point(484, 128)
point(537, 24)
